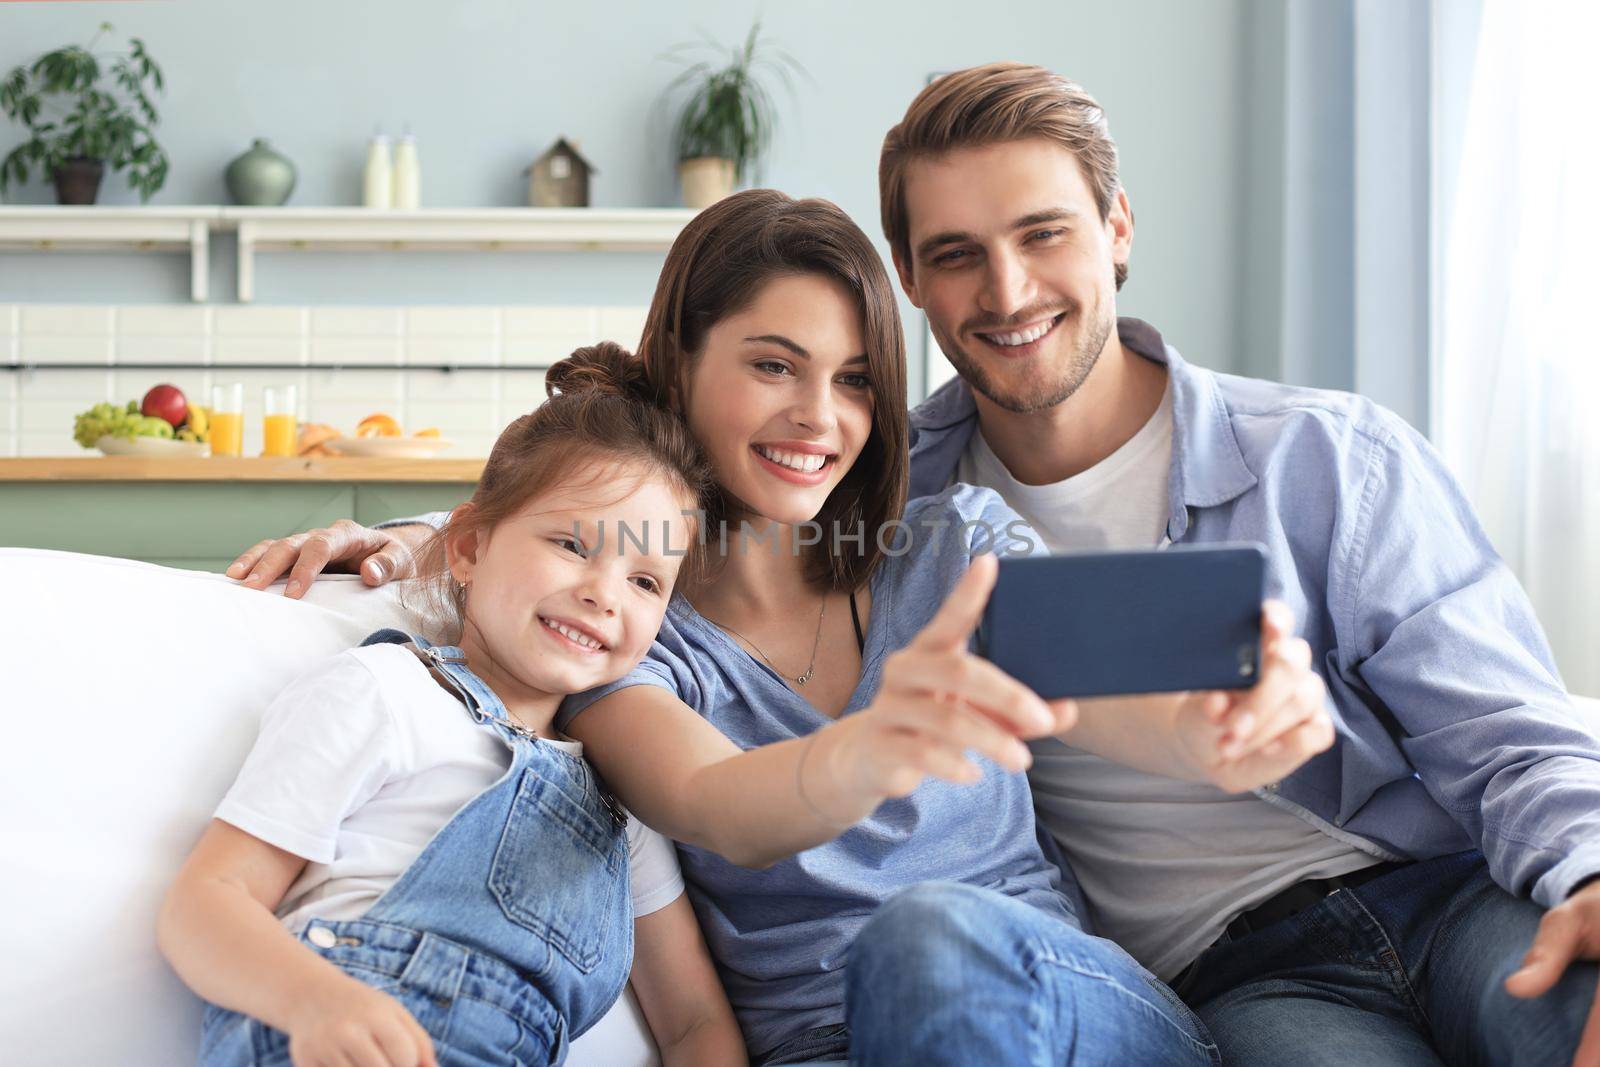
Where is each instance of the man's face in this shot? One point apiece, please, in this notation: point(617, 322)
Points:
point(1014, 267)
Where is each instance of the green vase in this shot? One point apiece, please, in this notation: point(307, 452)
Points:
point(260, 177)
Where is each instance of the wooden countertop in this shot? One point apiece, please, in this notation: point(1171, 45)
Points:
point(237, 469)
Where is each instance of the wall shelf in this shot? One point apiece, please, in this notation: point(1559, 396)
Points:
point(336, 229)
point(118, 229)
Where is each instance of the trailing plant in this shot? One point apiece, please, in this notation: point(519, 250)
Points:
point(69, 115)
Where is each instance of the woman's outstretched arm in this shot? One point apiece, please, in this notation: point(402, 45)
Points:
point(936, 703)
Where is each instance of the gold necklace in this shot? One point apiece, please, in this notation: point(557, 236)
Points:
point(815, 644)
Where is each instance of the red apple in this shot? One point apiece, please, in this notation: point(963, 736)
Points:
point(166, 402)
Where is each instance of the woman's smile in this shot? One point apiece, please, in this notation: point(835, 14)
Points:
point(796, 463)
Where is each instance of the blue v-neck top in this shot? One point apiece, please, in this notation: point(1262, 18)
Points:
point(781, 935)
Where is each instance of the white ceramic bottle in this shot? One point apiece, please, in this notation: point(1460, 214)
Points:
point(377, 189)
point(407, 174)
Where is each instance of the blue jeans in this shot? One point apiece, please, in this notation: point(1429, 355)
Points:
point(946, 973)
point(1407, 969)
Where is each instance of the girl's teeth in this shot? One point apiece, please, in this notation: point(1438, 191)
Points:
point(566, 631)
point(805, 462)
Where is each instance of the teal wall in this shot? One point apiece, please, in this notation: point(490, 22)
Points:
point(486, 85)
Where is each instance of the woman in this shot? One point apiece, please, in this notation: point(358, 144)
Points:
point(774, 333)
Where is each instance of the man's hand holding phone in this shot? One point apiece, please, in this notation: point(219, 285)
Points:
point(1242, 739)
point(1234, 739)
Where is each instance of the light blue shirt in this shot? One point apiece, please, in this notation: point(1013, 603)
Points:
point(780, 935)
point(1454, 730)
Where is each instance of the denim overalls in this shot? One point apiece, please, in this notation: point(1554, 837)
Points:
point(510, 933)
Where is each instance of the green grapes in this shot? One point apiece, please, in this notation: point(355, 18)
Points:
point(105, 419)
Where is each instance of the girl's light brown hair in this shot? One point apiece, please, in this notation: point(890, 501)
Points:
point(716, 268)
point(601, 411)
point(993, 104)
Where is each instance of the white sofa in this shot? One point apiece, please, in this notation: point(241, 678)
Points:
point(130, 695)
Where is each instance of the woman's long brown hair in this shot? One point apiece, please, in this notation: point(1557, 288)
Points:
point(716, 267)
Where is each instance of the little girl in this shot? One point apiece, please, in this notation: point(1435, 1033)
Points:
point(413, 867)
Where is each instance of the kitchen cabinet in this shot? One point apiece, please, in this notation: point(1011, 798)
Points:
point(199, 514)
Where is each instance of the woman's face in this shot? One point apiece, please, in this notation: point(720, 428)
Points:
point(780, 399)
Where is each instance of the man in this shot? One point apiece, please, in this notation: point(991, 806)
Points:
point(1374, 904)
point(1372, 907)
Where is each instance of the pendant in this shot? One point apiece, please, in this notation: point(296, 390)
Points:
point(806, 677)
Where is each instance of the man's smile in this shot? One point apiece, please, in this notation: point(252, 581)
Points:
point(1020, 342)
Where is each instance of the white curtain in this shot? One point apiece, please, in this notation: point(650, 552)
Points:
point(1517, 363)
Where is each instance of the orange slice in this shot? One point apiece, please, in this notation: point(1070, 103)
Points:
point(379, 425)
point(431, 431)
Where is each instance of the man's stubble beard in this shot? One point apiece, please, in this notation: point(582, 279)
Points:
point(1047, 396)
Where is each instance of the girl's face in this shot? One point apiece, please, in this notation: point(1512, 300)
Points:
point(568, 592)
point(780, 399)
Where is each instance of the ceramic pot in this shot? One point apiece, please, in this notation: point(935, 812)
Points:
point(261, 177)
point(78, 180)
point(705, 180)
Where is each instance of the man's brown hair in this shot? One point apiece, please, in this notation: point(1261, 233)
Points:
point(993, 104)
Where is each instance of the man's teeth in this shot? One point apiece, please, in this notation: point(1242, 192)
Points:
point(1023, 337)
point(805, 462)
point(576, 635)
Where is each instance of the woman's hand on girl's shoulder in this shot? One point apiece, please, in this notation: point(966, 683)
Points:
point(378, 556)
point(937, 702)
point(352, 1023)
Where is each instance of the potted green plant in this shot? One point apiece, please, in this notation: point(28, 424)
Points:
point(87, 127)
point(725, 125)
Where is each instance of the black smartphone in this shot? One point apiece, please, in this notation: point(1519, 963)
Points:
point(1151, 621)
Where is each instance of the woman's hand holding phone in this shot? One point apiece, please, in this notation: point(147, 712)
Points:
point(937, 702)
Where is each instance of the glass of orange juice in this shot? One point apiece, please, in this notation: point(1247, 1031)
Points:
point(279, 426)
point(227, 420)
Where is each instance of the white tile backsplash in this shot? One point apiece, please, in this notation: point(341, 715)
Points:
point(50, 444)
point(469, 407)
point(622, 325)
point(58, 348)
point(163, 320)
point(260, 321)
point(357, 322)
point(92, 385)
point(518, 321)
point(45, 417)
point(225, 350)
point(71, 319)
point(478, 351)
point(140, 349)
point(337, 350)
point(380, 390)
point(453, 321)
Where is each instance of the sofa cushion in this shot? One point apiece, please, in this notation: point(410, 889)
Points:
point(130, 695)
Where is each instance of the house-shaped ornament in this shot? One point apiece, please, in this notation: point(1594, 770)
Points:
point(560, 177)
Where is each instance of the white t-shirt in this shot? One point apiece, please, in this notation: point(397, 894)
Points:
point(361, 762)
point(1164, 864)
point(1120, 502)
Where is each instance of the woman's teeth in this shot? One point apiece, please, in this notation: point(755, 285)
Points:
point(577, 636)
point(1021, 337)
point(804, 462)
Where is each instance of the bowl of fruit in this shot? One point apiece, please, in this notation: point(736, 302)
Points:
point(164, 423)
